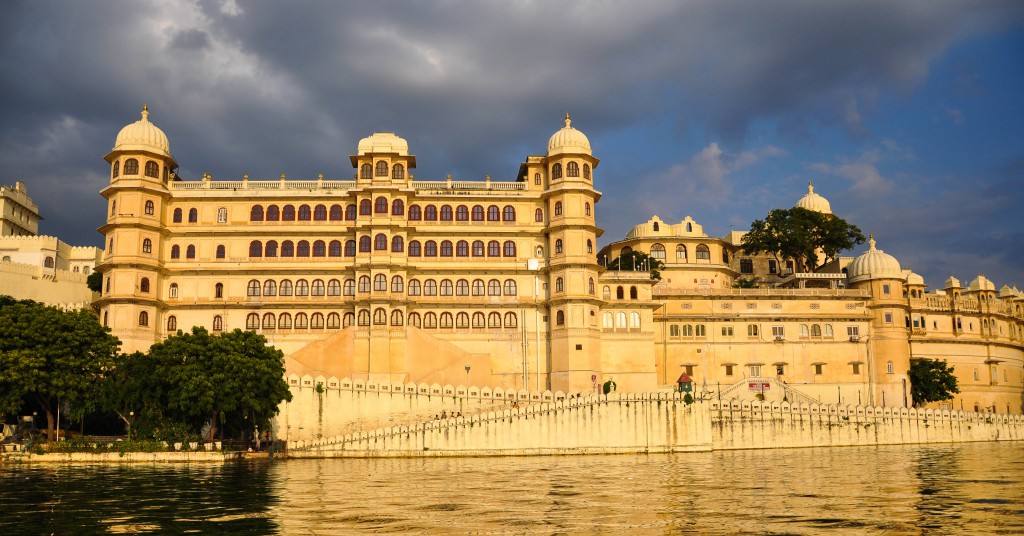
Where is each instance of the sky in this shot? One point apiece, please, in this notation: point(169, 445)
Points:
point(907, 116)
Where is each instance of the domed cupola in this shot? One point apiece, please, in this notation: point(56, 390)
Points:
point(568, 140)
point(874, 264)
point(383, 142)
point(143, 136)
point(981, 283)
point(813, 201)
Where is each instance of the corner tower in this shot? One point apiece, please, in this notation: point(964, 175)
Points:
point(131, 300)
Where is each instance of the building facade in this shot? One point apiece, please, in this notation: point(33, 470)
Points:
point(19, 216)
point(383, 278)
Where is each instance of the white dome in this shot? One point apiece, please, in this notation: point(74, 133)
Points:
point(981, 283)
point(952, 282)
point(568, 140)
point(813, 201)
point(143, 136)
point(874, 264)
point(915, 279)
point(383, 142)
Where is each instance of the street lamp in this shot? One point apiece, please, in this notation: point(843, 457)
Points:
point(131, 418)
point(467, 376)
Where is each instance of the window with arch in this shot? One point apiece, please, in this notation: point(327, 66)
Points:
point(462, 248)
point(397, 244)
point(462, 320)
point(317, 288)
point(320, 213)
point(681, 252)
point(397, 207)
point(508, 213)
point(172, 291)
point(446, 287)
point(510, 248)
point(334, 248)
point(222, 215)
point(560, 318)
point(415, 288)
point(494, 320)
point(143, 316)
point(304, 213)
point(131, 167)
point(364, 284)
point(415, 213)
point(144, 285)
point(176, 216)
point(288, 213)
point(586, 209)
point(559, 285)
point(703, 253)
point(586, 171)
point(590, 287)
point(658, 252)
point(430, 213)
point(479, 321)
point(273, 213)
point(572, 169)
point(619, 293)
point(478, 213)
point(366, 171)
point(218, 323)
point(302, 249)
point(270, 288)
point(380, 242)
point(333, 321)
point(446, 321)
point(558, 208)
point(301, 321)
point(414, 320)
point(380, 283)
point(461, 213)
point(493, 214)
point(334, 287)
point(319, 249)
point(478, 287)
point(147, 247)
point(218, 290)
point(381, 205)
point(349, 288)
point(430, 321)
point(446, 213)
point(193, 215)
point(190, 251)
point(269, 321)
point(446, 248)
point(285, 288)
point(462, 287)
point(350, 248)
point(382, 169)
point(414, 248)
point(494, 287)
point(590, 246)
point(558, 246)
point(478, 248)
point(301, 288)
point(364, 243)
point(538, 215)
point(634, 320)
point(397, 285)
point(510, 287)
point(493, 249)
point(336, 213)
point(536, 178)
point(150, 208)
point(316, 321)
point(117, 169)
point(556, 171)
point(511, 320)
point(365, 207)
point(397, 318)
point(398, 172)
point(350, 212)
point(430, 248)
point(606, 292)
point(253, 288)
point(632, 293)
point(606, 321)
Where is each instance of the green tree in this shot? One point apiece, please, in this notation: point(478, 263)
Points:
point(746, 282)
point(215, 378)
point(800, 234)
point(52, 357)
point(931, 380)
point(637, 261)
point(95, 282)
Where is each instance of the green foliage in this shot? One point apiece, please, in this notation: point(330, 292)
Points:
point(688, 399)
point(82, 445)
point(637, 261)
point(608, 386)
point(746, 282)
point(52, 357)
point(799, 234)
point(931, 380)
point(95, 282)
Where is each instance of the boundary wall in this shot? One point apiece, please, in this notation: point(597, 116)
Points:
point(359, 419)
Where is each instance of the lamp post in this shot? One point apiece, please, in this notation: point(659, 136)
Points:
point(131, 418)
point(467, 376)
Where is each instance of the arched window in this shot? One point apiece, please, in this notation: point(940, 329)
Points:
point(380, 242)
point(430, 213)
point(381, 205)
point(143, 316)
point(508, 213)
point(131, 167)
point(510, 287)
point(143, 284)
point(334, 248)
point(586, 171)
point(632, 293)
point(333, 321)
point(320, 213)
point(269, 288)
point(572, 169)
point(559, 285)
point(269, 321)
point(430, 288)
point(558, 246)
point(336, 213)
point(558, 208)
point(398, 173)
point(446, 287)
point(493, 249)
point(287, 249)
point(176, 218)
point(172, 323)
point(334, 287)
point(560, 318)
point(317, 289)
point(218, 323)
point(285, 287)
point(478, 287)
point(269, 251)
point(364, 243)
point(462, 213)
point(511, 320)
point(479, 321)
point(301, 288)
point(284, 321)
point(681, 253)
point(556, 171)
point(397, 206)
point(689, 227)
point(414, 320)
point(590, 246)
point(288, 213)
point(510, 248)
point(397, 244)
point(316, 321)
point(478, 213)
point(350, 212)
point(302, 249)
point(590, 287)
point(193, 215)
point(150, 208)
point(396, 315)
point(538, 215)
point(462, 248)
point(222, 215)
point(380, 283)
point(414, 287)
point(304, 213)
point(414, 248)
point(218, 290)
point(430, 321)
point(446, 213)
point(415, 214)
point(658, 252)
point(815, 330)
point(172, 291)
point(462, 288)
point(494, 320)
point(478, 248)
point(397, 284)
point(364, 284)
point(462, 320)
point(253, 289)
point(350, 287)
point(446, 248)
point(147, 247)
point(117, 168)
point(446, 321)
point(494, 287)
point(536, 179)
point(256, 213)
point(493, 214)
point(190, 252)
point(382, 169)
point(365, 207)
point(366, 171)
point(703, 253)
point(586, 209)
point(273, 213)
point(350, 248)
point(634, 321)
point(430, 248)
point(301, 321)
point(606, 293)
point(319, 249)
point(619, 293)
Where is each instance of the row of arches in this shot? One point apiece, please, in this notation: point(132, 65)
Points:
point(380, 242)
point(572, 169)
point(701, 252)
point(381, 205)
point(376, 317)
point(367, 170)
point(379, 283)
point(131, 168)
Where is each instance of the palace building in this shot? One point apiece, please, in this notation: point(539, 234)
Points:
point(383, 278)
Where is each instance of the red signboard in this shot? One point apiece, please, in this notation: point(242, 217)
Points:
point(759, 386)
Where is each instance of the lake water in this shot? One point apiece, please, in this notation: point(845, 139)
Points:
point(945, 489)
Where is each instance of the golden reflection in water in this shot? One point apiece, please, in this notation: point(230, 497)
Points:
point(896, 490)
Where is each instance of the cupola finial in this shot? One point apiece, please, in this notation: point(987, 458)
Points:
point(568, 120)
point(145, 112)
point(810, 187)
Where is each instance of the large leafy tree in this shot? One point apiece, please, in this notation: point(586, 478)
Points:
point(931, 380)
point(800, 234)
point(217, 378)
point(52, 357)
point(637, 261)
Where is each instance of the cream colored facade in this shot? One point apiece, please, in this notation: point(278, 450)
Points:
point(46, 270)
point(387, 279)
point(19, 216)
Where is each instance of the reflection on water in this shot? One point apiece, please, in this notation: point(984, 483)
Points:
point(974, 488)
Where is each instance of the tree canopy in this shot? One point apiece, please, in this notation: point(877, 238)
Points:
point(52, 357)
point(931, 380)
point(637, 261)
point(800, 234)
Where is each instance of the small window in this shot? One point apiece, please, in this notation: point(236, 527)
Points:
point(143, 316)
point(218, 323)
point(131, 167)
point(144, 284)
point(556, 171)
point(147, 246)
point(819, 369)
point(746, 266)
point(152, 169)
point(222, 215)
point(172, 291)
point(150, 208)
point(176, 218)
point(558, 208)
point(889, 368)
point(193, 215)
point(382, 169)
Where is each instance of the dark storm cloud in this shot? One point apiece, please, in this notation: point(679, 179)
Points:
point(269, 88)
